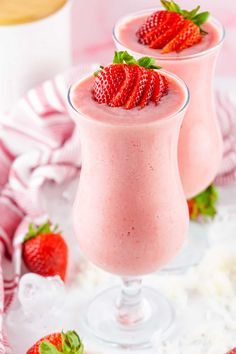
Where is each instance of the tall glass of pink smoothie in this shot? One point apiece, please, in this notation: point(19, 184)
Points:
point(130, 214)
point(200, 144)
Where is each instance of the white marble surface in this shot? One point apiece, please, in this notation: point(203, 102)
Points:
point(204, 298)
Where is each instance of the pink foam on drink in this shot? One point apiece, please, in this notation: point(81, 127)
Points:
point(168, 105)
point(126, 34)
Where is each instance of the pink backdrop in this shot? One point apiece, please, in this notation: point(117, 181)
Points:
point(93, 21)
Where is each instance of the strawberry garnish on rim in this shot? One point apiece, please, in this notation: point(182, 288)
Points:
point(172, 29)
point(129, 83)
point(56, 343)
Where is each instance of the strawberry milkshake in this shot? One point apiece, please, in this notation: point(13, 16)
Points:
point(130, 214)
point(186, 43)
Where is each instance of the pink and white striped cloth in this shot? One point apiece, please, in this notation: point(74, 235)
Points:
point(38, 142)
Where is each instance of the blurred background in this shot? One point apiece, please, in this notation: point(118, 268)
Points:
point(93, 21)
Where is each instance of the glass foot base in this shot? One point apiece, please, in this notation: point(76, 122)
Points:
point(192, 251)
point(101, 320)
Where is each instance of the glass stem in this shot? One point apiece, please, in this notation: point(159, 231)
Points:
point(130, 304)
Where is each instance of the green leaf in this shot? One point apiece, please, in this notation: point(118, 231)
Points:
point(195, 212)
point(129, 59)
point(118, 58)
point(166, 4)
point(148, 63)
point(175, 7)
point(192, 15)
point(96, 73)
point(35, 230)
point(48, 348)
point(124, 57)
point(205, 203)
point(71, 343)
point(44, 228)
point(201, 18)
point(194, 12)
point(171, 6)
point(185, 13)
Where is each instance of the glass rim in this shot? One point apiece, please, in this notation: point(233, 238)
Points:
point(68, 3)
point(170, 58)
point(127, 124)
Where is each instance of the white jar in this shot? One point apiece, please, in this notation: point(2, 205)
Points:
point(33, 52)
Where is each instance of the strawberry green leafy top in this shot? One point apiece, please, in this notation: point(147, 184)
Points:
point(204, 204)
point(45, 228)
point(71, 344)
point(129, 82)
point(194, 16)
point(123, 57)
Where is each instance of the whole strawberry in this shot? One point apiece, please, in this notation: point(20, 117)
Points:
point(129, 83)
point(232, 351)
point(45, 251)
point(56, 343)
point(172, 29)
point(203, 205)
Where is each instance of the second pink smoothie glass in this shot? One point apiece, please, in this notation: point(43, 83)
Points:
point(130, 216)
point(200, 143)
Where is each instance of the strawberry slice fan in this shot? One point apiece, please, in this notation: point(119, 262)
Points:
point(129, 83)
point(172, 29)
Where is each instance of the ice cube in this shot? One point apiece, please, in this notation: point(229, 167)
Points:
point(47, 294)
point(38, 310)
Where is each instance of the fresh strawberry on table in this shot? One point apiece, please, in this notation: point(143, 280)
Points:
point(232, 351)
point(172, 29)
point(45, 251)
point(129, 83)
point(204, 204)
point(56, 343)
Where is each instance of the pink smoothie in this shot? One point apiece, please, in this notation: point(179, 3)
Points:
point(130, 214)
point(127, 35)
point(200, 144)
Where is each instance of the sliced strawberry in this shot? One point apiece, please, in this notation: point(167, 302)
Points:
point(189, 35)
point(174, 29)
point(124, 90)
point(138, 88)
point(154, 25)
point(172, 21)
point(147, 94)
point(160, 88)
point(164, 38)
point(133, 83)
point(109, 83)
